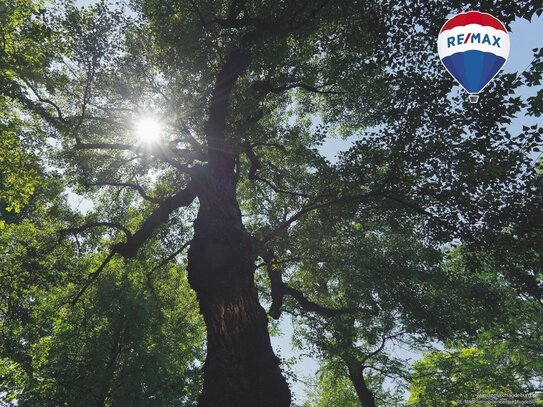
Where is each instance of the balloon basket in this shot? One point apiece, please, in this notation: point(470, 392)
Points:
point(473, 98)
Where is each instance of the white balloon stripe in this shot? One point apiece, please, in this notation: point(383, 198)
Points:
point(473, 37)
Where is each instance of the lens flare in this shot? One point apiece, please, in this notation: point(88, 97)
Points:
point(148, 130)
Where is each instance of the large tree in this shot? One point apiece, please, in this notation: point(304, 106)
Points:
point(246, 92)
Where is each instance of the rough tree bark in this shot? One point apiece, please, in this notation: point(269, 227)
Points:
point(241, 368)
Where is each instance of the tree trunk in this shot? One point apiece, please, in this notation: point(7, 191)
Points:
point(365, 395)
point(241, 369)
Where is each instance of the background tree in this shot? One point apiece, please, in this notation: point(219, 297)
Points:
point(505, 358)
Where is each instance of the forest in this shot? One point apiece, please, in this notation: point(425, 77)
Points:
point(265, 203)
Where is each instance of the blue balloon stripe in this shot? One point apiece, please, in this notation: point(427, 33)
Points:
point(473, 69)
point(496, 66)
point(450, 64)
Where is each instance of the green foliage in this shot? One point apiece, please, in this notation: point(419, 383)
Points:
point(23, 55)
point(504, 358)
point(332, 390)
point(468, 374)
point(122, 346)
point(19, 173)
point(22, 27)
point(332, 387)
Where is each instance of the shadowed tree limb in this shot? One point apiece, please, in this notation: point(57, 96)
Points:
point(169, 258)
point(163, 263)
point(422, 211)
point(215, 126)
point(130, 248)
point(44, 100)
point(94, 275)
point(256, 165)
point(279, 289)
point(267, 87)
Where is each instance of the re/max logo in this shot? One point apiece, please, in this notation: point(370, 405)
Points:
point(474, 38)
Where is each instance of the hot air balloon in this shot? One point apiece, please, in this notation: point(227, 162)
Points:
point(473, 47)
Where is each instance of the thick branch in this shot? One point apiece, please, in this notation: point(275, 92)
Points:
point(279, 289)
point(255, 162)
point(130, 248)
point(220, 153)
point(134, 242)
point(216, 125)
point(311, 306)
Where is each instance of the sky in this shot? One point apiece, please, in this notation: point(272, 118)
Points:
point(524, 36)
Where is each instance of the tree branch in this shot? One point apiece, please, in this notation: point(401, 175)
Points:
point(316, 206)
point(159, 152)
point(44, 100)
point(92, 278)
point(236, 6)
point(267, 87)
point(381, 346)
point(255, 162)
point(422, 211)
point(82, 228)
point(232, 21)
point(135, 187)
point(106, 146)
point(265, 28)
point(256, 165)
point(169, 258)
point(279, 289)
point(130, 248)
point(215, 126)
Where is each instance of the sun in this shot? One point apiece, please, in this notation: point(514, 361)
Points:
point(148, 130)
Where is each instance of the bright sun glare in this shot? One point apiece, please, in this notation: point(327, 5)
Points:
point(148, 130)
